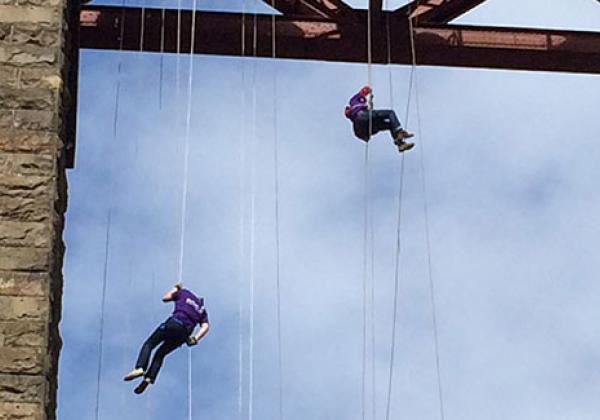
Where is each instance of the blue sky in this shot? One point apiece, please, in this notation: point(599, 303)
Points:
point(510, 168)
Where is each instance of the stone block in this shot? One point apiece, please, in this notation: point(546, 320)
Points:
point(16, 13)
point(21, 360)
point(24, 259)
point(27, 209)
point(21, 56)
point(26, 187)
point(22, 388)
point(27, 164)
point(44, 77)
point(24, 284)
point(21, 411)
point(8, 75)
point(46, 3)
point(25, 198)
point(36, 99)
point(22, 334)
point(21, 141)
point(42, 35)
point(15, 308)
point(35, 120)
point(25, 234)
point(28, 120)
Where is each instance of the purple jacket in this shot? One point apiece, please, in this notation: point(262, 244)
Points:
point(189, 309)
point(357, 104)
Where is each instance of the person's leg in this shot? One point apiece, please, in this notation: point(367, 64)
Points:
point(385, 119)
point(175, 336)
point(157, 337)
point(158, 358)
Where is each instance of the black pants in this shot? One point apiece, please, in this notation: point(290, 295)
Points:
point(379, 120)
point(172, 335)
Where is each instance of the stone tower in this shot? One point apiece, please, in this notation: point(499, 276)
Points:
point(38, 71)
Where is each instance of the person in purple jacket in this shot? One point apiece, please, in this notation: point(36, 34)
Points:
point(363, 117)
point(171, 334)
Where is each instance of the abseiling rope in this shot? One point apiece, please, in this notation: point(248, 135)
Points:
point(427, 235)
point(252, 224)
point(276, 190)
point(184, 192)
point(102, 306)
point(399, 223)
point(366, 219)
point(108, 224)
point(242, 221)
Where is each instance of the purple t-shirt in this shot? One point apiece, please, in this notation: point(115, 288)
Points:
point(357, 104)
point(189, 309)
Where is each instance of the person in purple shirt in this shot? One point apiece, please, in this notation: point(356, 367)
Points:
point(363, 117)
point(177, 329)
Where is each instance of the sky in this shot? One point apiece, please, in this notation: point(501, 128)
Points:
point(509, 165)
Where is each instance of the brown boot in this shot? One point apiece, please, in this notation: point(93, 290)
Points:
point(403, 134)
point(404, 146)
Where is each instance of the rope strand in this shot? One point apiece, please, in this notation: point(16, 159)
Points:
point(277, 230)
point(109, 222)
point(429, 262)
point(366, 215)
point(242, 186)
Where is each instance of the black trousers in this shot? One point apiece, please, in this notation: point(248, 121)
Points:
point(172, 335)
point(379, 120)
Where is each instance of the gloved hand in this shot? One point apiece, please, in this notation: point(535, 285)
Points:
point(366, 90)
point(191, 341)
point(178, 285)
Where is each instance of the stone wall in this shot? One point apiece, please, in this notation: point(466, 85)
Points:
point(37, 95)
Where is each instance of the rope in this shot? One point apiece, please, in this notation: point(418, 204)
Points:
point(365, 270)
point(109, 224)
point(277, 236)
point(242, 225)
point(396, 292)
point(102, 306)
point(366, 217)
point(428, 237)
point(253, 227)
point(399, 218)
point(162, 57)
point(184, 193)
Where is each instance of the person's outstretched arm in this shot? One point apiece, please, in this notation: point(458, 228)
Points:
point(204, 327)
point(170, 295)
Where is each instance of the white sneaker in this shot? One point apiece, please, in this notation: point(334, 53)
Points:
point(135, 373)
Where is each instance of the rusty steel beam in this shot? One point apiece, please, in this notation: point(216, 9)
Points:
point(508, 48)
point(310, 8)
point(437, 11)
point(343, 40)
